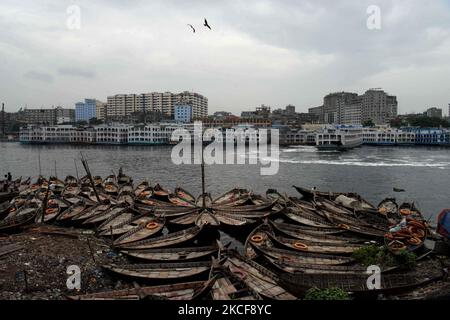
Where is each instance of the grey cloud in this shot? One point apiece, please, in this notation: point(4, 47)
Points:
point(40, 76)
point(75, 72)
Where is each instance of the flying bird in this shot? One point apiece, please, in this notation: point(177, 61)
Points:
point(207, 25)
point(193, 29)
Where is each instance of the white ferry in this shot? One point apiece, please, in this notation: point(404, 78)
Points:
point(339, 137)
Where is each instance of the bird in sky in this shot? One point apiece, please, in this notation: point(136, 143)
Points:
point(207, 25)
point(193, 29)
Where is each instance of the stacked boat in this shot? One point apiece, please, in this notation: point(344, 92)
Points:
point(172, 239)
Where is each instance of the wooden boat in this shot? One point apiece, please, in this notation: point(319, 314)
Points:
point(78, 199)
point(4, 209)
point(307, 218)
point(332, 207)
point(187, 219)
point(126, 197)
point(231, 197)
point(301, 257)
point(105, 215)
point(229, 286)
point(123, 178)
point(116, 220)
point(98, 181)
point(72, 211)
point(70, 180)
point(110, 188)
point(259, 236)
point(354, 202)
point(176, 200)
point(208, 200)
point(290, 267)
point(245, 214)
point(205, 218)
point(71, 189)
point(23, 217)
point(165, 240)
point(183, 194)
point(177, 291)
point(127, 187)
point(160, 193)
point(15, 211)
point(265, 207)
point(315, 247)
point(313, 231)
point(233, 220)
point(409, 209)
point(124, 222)
point(161, 271)
point(141, 187)
point(91, 212)
point(52, 211)
point(141, 232)
point(388, 208)
point(57, 185)
point(303, 234)
point(310, 194)
point(355, 283)
point(172, 254)
point(256, 277)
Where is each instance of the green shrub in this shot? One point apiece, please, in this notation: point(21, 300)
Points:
point(327, 294)
point(406, 259)
point(381, 256)
point(368, 255)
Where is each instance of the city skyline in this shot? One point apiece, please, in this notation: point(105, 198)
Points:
point(258, 53)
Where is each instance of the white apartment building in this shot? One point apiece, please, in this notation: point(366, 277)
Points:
point(125, 104)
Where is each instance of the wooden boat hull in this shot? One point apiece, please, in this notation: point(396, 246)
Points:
point(161, 271)
point(172, 254)
point(164, 241)
point(141, 232)
point(178, 291)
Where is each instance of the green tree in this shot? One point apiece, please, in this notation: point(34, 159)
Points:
point(368, 123)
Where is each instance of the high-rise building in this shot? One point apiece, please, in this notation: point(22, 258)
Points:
point(336, 104)
point(434, 112)
point(125, 104)
point(378, 106)
point(85, 111)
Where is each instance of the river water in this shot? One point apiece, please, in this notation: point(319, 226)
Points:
point(370, 171)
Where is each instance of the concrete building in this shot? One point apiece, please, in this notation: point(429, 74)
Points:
point(100, 110)
point(64, 115)
point(434, 113)
point(262, 112)
point(48, 117)
point(350, 112)
point(318, 112)
point(335, 105)
point(125, 104)
point(183, 113)
point(85, 111)
point(378, 106)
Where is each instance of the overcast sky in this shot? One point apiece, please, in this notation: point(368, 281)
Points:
point(258, 52)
